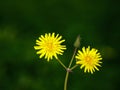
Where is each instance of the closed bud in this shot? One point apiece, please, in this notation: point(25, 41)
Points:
point(77, 42)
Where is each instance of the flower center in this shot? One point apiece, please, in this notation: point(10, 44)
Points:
point(50, 46)
point(88, 60)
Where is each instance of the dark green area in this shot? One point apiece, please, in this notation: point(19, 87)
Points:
point(23, 21)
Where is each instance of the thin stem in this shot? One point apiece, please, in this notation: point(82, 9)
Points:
point(72, 58)
point(74, 67)
point(66, 79)
point(62, 64)
point(68, 71)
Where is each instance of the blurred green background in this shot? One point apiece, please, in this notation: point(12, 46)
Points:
point(23, 21)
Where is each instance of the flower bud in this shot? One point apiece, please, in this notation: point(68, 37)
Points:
point(77, 42)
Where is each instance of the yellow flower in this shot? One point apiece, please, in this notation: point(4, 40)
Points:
point(89, 59)
point(49, 46)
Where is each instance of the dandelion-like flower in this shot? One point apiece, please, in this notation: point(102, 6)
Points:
point(89, 59)
point(49, 46)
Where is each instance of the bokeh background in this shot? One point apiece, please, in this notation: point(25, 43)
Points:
point(23, 21)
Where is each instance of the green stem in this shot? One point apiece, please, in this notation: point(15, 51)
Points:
point(68, 70)
point(73, 67)
point(66, 79)
point(62, 64)
point(72, 58)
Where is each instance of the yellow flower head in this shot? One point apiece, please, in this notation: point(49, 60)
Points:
point(89, 59)
point(49, 46)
